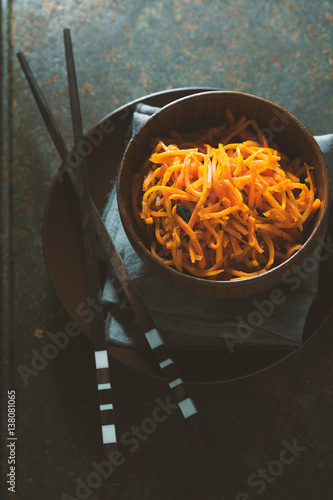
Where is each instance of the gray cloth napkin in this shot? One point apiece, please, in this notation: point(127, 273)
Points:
point(275, 318)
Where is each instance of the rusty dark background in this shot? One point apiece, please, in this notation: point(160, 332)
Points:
point(123, 50)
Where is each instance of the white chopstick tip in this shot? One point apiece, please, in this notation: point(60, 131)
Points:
point(154, 338)
point(106, 407)
point(109, 434)
point(103, 387)
point(166, 363)
point(101, 359)
point(176, 382)
point(187, 407)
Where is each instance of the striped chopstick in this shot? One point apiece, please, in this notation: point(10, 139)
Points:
point(109, 437)
point(177, 386)
point(89, 236)
point(162, 355)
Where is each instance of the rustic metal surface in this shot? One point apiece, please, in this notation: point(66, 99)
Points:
point(123, 50)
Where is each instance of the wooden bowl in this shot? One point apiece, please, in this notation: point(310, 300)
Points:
point(207, 110)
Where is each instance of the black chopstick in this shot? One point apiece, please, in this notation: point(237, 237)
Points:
point(153, 337)
point(109, 437)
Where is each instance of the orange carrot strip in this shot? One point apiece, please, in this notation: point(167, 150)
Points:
point(159, 157)
point(271, 250)
point(188, 230)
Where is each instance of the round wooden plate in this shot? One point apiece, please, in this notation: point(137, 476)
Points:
point(65, 264)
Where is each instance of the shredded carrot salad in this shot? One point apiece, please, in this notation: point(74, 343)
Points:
point(223, 204)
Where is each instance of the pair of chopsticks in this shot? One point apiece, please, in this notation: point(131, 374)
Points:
point(93, 224)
